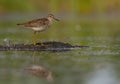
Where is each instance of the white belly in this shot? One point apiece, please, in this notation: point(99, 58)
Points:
point(38, 28)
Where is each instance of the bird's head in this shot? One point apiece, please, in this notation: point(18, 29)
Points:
point(51, 17)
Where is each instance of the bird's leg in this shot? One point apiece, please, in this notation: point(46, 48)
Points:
point(38, 36)
point(34, 38)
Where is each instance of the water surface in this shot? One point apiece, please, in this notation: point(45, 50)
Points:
point(98, 64)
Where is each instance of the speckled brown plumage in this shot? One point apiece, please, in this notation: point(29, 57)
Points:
point(36, 23)
point(39, 24)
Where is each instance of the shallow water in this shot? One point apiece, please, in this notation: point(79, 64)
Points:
point(98, 64)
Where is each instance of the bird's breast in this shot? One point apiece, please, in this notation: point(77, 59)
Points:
point(38, 28)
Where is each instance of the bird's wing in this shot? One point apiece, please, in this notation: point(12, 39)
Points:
point(36, 23)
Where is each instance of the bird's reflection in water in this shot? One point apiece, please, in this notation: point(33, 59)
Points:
point(39, 71)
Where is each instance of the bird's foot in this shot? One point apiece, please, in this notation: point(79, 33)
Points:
point(40, 44)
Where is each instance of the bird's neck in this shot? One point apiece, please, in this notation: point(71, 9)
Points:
point(50, 19)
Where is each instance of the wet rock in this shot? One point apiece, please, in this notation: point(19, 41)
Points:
point(47, 46)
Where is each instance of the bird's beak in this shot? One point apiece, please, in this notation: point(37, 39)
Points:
point(56, 19)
